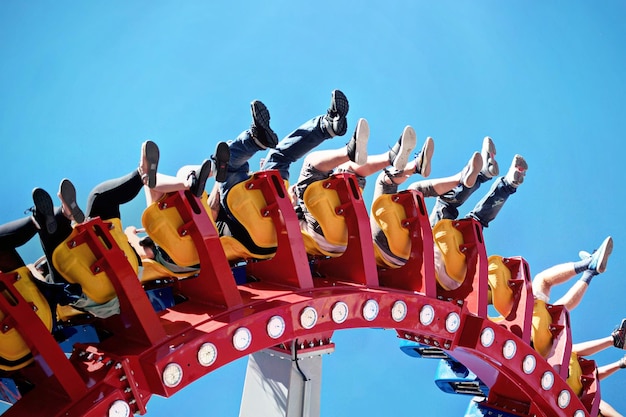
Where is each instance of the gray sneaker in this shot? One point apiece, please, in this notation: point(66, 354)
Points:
point(399, 154)
point(471, 170)
point(357, 147)
point(422, 161)
point(488, 152)
point(517, 171)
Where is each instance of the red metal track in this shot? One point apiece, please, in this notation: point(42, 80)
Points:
point(129, 365)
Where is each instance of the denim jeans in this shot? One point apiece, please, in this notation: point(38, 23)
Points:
point(485, 210)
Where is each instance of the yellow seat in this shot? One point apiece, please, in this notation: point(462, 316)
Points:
point(448, 241)
point(152, 270)
point(389, 217)
point(541, 335)
point(574, 376)
point(14, 352)
point(321, 203)
point(74, 263)
point(500, 293)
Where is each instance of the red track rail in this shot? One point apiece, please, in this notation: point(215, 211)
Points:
point(129, 365)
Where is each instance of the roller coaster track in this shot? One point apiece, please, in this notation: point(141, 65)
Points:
point(291, 297)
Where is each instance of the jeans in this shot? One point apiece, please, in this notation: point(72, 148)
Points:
point(485, 210)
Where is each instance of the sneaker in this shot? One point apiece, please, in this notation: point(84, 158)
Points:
point(471, 170)
point(67, 194)
point(44, 209)
point(399, 154)
point(488, 152)
point(357, 147)
point(198, 178)
point(220, 158)
point(619, 334)
point(622, 362)
point(517, 171)
point(262, 133)
point(599, 257)
point(422, 161)
point(149, 163)
point(337, 112)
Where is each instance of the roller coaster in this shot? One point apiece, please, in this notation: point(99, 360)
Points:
point(172, 331)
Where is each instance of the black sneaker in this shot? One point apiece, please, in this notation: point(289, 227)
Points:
point(67, 193)
point(337, 112)
point(198, 181)
point(262, 133)
point(221, 159)
point(619, 335)
point(44, 209)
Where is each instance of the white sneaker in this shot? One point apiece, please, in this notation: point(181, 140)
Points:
point(488, 153)
point(517, 172)
point(357, 147)
point(471, 170)
point(399, 154)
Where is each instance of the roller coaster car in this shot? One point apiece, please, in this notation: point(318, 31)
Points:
point(403, 218)
point(337, 205)
point(510, 292)
point(453, 377)
point(15, 352)
point(582, 378)
point(551, 335)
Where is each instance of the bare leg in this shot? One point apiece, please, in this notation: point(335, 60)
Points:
point(375, 163)
point(573, 296)
point(558, 274)
point(591, 347)
point(607, 370)
point(607, 411)
point(327, 160)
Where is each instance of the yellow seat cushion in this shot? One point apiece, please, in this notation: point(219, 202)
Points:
point(152, 270)
point(448, 241)
point(541, 335)
point(13, 348)
point(501, 294)
point(74, 264)
point(389, 216)
point(247, 205)
point(575, 372)
point(321, 203)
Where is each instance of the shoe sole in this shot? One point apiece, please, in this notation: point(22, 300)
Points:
point(425, 157)
point(68, 195)
point(407, 144)
point(45, 207)
point(261, 119)
point(606, 248)
point(339, 103)
point(488, 152)
point(473, 167)
point(151, 153)
point(362, 134)
point(221, 159)
point(201, 178)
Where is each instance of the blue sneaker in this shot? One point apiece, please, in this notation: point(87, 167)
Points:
point(599, 257)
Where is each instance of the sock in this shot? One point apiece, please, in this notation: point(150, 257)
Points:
point(582, 265)
point(587, 277)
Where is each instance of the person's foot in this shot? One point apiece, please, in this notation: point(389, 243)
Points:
point(599, 257)
point(399, 154)
point(337, 112)
point(148, 163)
point(622, 362)
point(44, 209)
point(198, 178)
point(262, 133)
point(517, 171)
point(471, 170)
point(357, 147)
point(490, 165)
point(619, 334)
point(220, 158)
point(422, 161)
point(67, 195)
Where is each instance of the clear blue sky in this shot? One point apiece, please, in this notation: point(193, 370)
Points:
point(84, 83)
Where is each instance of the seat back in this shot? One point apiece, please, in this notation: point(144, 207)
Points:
point(324, 204)
point(389, 216)
point(574, 375)
point(14, 351)
point(500, 292)
point(541, 333)
point(78, 265)
point(448, 248)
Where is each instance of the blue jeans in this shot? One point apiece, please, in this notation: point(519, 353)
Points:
point(485, 210)
point(297, 144)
